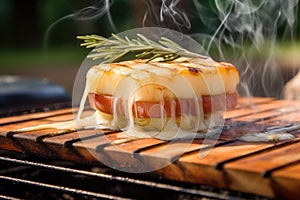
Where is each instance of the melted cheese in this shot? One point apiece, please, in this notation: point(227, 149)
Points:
point(266, 137)
point(132, 81)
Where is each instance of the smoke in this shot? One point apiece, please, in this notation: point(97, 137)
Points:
point(247, 32)
point(96, 11)
point(238, 21)
point(167, 14)
point(177, 16)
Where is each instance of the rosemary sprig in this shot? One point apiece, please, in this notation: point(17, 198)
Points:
point(117, 48)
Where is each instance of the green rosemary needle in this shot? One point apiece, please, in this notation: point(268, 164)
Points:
point(118, 48)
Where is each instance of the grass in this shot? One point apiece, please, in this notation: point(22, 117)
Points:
point(286, 49)
point(13, 58)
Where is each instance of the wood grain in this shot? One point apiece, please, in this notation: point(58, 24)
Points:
point(267, 169)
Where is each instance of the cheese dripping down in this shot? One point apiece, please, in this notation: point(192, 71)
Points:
point(161, 128)
point(125, 91)
point(137, 84)
point(132, 81)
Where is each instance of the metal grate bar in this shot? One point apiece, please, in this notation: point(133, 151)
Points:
point(8, 198)
point(61, 188)
point(149, 184)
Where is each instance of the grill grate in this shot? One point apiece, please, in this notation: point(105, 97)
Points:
point(91, 182)
point(36, 172)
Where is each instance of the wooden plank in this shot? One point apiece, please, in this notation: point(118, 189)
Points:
point(286, 182)
point(15, 126)
point(63, 145)
point(34, 116)
point(188, 161)
point(28, 142)
point(7, 144)
point(246, 101)
point(200, 167)
point(252, 109)
point(239, 173)
point(156, 157)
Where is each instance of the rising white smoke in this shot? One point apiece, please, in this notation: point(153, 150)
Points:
point(247, 32)
point(244, 32)
point(96, 11)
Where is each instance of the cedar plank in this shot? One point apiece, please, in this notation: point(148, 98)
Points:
point(199, 167)
point(246, 174)
point(286, 182)
point(268, 160)
point(253, 100)
point(239, 175)
point(257, 108)
point(56, 144)
point(34, 116)
point(11, 127)
point(153, 158)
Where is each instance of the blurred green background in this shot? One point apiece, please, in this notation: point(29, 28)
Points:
point(38, 37)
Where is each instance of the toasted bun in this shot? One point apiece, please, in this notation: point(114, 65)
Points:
point(184, 78)
point(121, 92)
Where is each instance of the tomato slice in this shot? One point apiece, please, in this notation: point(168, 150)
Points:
point(143, 109)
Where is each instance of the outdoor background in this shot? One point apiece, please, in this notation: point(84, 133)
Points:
point(38, 37)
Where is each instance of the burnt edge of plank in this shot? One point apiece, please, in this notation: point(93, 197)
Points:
point(40, 138)
point(221, 143)
point(69, 143)
point(62, 132)
point(268, 173)
point(139, 150)
point(220, 165)
point(163, 142)
point(16, 142)
point(101, 147)
point(105, 156)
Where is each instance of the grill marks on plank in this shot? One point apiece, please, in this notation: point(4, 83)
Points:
point(229, 156)
point(60, 116)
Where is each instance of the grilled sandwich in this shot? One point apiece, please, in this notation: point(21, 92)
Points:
point(187, 93)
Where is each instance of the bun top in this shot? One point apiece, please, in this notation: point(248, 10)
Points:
point(203, 76)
